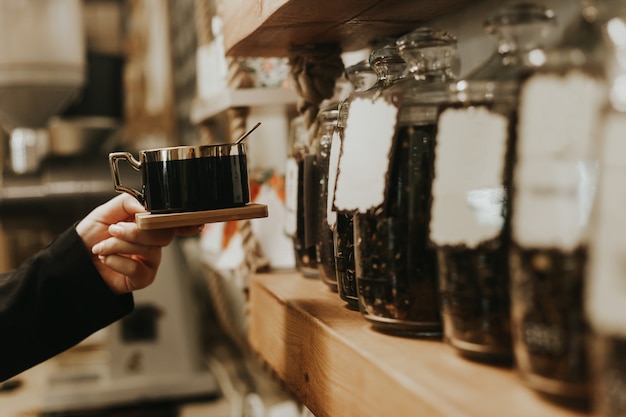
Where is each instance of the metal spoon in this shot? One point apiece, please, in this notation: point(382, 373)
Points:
point(245, 135)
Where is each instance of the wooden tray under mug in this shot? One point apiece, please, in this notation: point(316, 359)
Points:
point(150, 221)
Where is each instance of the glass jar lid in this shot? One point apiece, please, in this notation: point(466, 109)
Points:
point(518, 14)
point(388, 65)
point(429, 52)
point(582, 45)
point(518, 28)
point(431, 57)
point(361, 76)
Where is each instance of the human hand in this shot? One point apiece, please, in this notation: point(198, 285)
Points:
point(126, 257)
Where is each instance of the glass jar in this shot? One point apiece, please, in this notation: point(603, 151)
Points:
point(326, 217)
point(470, 223)
point(605, 295)
point(554, 182)
point(389, 67)
point(343, 235)
point(608, 365)
point(298, 173)
point(396, 269)
point(360, 76)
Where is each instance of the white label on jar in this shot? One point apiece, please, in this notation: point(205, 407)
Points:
point(606, 282)
point(555, 173)
point(364, 160)
point(333, 165)
point(291, 197)
point(469, 172)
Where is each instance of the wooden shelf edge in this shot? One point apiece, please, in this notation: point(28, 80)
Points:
point(331, 359)
point(205, 109)
point(271, 27)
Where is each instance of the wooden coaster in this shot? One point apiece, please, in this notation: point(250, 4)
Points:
point(149, 221)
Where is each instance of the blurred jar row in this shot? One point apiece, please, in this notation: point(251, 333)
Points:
point(488, 211)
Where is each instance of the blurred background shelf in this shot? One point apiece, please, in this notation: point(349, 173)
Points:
point(270, 27)
point(338, 366)
point(203, 109)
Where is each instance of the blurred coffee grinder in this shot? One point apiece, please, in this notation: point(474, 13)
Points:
point(60, 103)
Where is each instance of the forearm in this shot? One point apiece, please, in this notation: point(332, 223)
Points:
point(52, 302)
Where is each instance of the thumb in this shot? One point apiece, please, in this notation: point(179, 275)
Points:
point(131, 205)
point(120, 208)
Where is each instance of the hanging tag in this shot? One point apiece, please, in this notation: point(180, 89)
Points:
point(333, 166)
point(555, 171)
point(468, 190)
point(606, 282)
point(364, 160)
point(291, 197)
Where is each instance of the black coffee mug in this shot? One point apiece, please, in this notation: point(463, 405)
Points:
point(187, 178)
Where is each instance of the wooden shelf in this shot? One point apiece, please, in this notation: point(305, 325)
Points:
point(271, 27)
point(338, 366)
point(202, 110)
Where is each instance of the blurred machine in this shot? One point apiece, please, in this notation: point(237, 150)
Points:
point(61, 106)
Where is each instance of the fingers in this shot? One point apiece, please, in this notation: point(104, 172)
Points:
point(150, 255)
point(127, 257)
point(129, 232)
point(131, 273)
point(162, 237)
point(132, 252)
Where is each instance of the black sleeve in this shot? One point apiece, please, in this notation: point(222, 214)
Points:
point(51, 302)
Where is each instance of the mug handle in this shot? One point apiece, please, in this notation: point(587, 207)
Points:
point(114, 158)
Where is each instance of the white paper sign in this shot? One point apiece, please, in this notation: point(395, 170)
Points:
point(606, 278)
point(556, 170)
point(469, 172)
point(333, 166)
point(364, 160)
point(291, 197)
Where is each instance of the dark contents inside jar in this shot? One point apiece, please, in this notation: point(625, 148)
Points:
point(325, 251)
point(475, 300)
point(396, 267)
point(550, 329)
point(344, 256)
point(305, 254)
